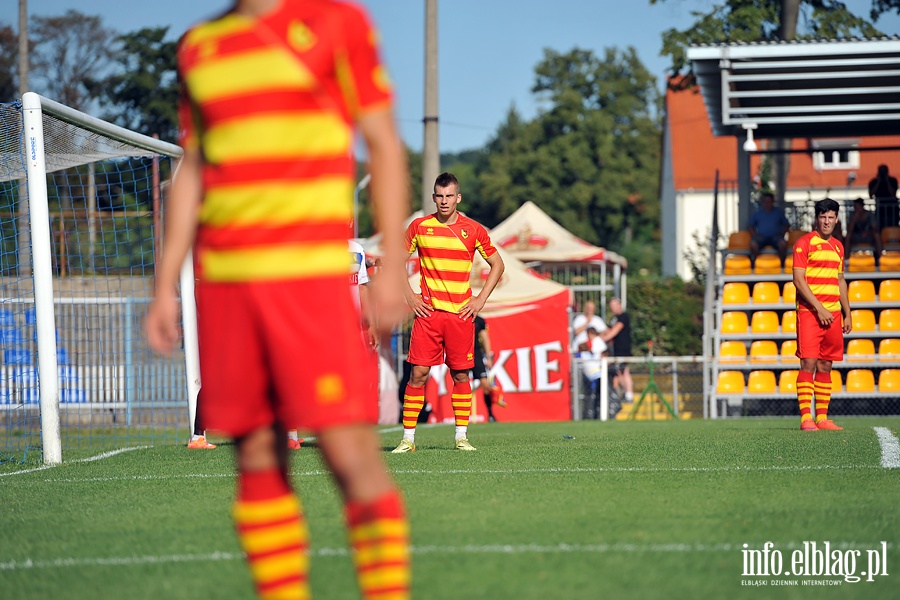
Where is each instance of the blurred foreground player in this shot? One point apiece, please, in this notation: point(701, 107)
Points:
point(271, 91)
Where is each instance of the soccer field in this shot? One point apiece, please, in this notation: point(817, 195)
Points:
point(549, 510)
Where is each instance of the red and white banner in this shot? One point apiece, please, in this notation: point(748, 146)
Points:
point(531, 364)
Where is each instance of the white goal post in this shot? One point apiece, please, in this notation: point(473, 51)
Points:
point(105, 142)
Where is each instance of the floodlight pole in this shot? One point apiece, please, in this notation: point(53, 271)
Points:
point(431, 158)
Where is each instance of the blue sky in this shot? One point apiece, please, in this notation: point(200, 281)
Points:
point(487, 48)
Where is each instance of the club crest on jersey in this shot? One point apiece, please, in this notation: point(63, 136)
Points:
point(465, 234)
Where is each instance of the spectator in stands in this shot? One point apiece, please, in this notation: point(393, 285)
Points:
point(822, 302)
point(591, 351)
point(862, 229)
point(618, 336)
point(582, 321)
point(883, 188)
point(767, 228)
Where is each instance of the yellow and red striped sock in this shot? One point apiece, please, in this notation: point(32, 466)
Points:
point(805, 389)
point(823, 395)
point(461, 400)
point(379, 534)
point(273, 533)
point(413, 401)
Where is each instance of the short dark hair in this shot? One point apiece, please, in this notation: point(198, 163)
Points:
point(766, 195)
point(446, 179)
point(826, 204)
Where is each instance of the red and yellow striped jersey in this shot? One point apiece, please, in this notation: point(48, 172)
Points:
point(445, 258)
point(270, 103)
point(823, 261)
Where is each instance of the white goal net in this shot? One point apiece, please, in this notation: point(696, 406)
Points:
point(80, 221)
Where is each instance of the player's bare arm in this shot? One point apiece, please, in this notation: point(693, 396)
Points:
point(611, 332)
point(182, 211)
point(476, 303)
point(390, 204)
point(823, 315)
point(845, 303)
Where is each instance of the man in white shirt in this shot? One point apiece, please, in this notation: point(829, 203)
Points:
point(582, 322)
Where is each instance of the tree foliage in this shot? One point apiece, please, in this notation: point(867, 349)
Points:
point(70, 54)
point(142, 92)
point(760, 20)
point(590, 159)
point(9, 53)
point(668, 311)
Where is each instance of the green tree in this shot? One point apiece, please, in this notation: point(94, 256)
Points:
point(590, 159)
point(70, 54)
point(668, 311)
point(142, 93)
point(9, 53)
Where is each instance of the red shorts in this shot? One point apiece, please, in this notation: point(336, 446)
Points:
point(286, 352)
point(815, 341)
point(442, 333)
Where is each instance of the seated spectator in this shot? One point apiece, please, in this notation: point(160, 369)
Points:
point(862, 229)
point(767, 228)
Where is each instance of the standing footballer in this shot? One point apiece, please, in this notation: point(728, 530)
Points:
point(444, 327)
point(823, 314)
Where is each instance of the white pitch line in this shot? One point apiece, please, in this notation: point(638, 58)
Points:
point(890, 448)
point(561, 470)
point(100, 456)
point(561, 548)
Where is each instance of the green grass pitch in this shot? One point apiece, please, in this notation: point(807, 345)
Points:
point(549, 510)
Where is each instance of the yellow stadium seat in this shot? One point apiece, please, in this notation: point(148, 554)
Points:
point(889, 380)
point(761, 382)
point(889, 261)
point(890, 236)
point(787, 382)
point(861, 262)
point(863, 319)
point(789, 293)
point(789, 321)
point(763, 351)
point(889, 290)
point(889, 349)
point(858, 348)
point(764, 321)
point(889, 320)
point(766, 292)
point(789, 351)
point(732, 352)
point(794, 235)
point(739, 242)
point(736, 293)
point(737, 265)
point(836, 383)
point(767, 264)
point(734, 322)
point(860, 381)
point(789, 262)
point(861, 290)
point(730, 382)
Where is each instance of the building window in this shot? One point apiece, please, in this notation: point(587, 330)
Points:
point(829, 155)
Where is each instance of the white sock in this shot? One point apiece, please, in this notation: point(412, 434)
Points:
point(461, 432)
point(409, 434)
point(629, 397)
point(196, 437)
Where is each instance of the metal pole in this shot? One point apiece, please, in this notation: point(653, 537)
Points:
point(431, 158)
point(363, 183)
